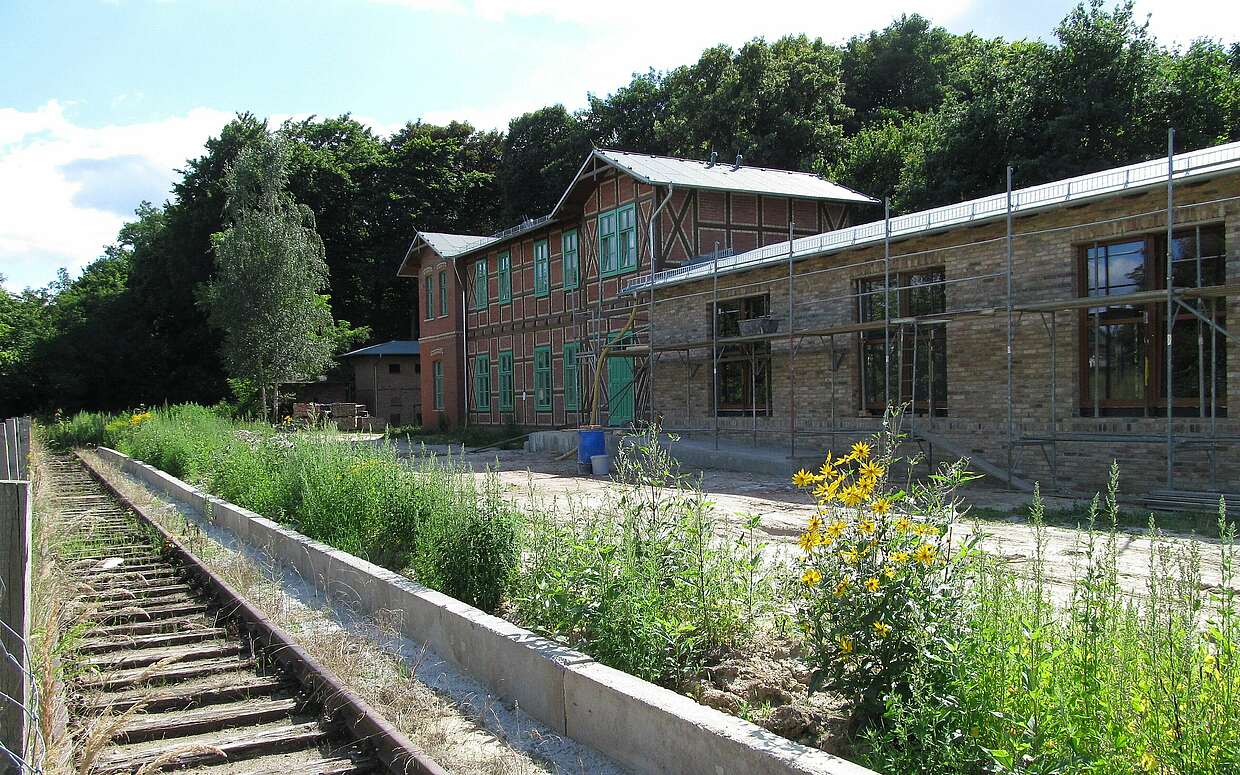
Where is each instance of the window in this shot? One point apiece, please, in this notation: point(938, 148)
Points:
point(568, 247)
point(480, 284)
point(542, 378)
point(482, 382)
point(505, 381)
point(443, 293)
point(393, 368)
point(1123, 355)
point(437, 384)
point(505, 277)
point(430, 296)
point(924, 356)
point(394, 420)
point(570, 376)
point(617, 240)
point(542, 268)
point(744, 367)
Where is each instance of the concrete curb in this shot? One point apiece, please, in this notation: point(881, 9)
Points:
point(642, 726)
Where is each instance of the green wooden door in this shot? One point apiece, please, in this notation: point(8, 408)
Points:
point(620, 390)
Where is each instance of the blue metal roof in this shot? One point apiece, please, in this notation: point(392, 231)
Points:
point(394, 347)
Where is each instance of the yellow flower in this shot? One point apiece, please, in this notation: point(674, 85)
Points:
point(883, 629)
point(889, 572)
point(827, 469)
point(867, 526)
point(861, 450)
point(811, 577)
point(802, 478)
point(850, 556)
point(815, 523)
point(899, 558)
point(1210, 664)
point(904, 524)
point(925, 553)
point(867, 485)
point(846, 644)
point(926, 530)
point(870, 470)
point(842, 587)
point(809, 539)
point(1148, 762)
point(871, 584)
point(853, 495)
point(881, 506)
point(836, 529)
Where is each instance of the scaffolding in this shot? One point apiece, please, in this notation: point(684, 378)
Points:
point(1200, 302)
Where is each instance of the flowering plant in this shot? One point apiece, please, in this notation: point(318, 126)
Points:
point(879, 576)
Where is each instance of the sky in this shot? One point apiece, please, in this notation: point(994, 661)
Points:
point(102, 100)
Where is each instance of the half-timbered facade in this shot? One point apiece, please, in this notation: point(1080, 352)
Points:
point(518, 320)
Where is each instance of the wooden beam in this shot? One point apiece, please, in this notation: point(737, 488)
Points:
point(15, 540)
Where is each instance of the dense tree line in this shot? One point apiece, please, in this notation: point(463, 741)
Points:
point(912, 112)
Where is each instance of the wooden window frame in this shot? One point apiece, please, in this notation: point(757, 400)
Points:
point(542, 268)
point(506, 391)
point(437, 386)
point(569, 257)
point(429, 282)
point(482, 382)
point(543, 393)
point(901, 289)
point(481, 291)
point(1153, 317)
point(443, 293)
point(751, 358)
point(620, 242)
point(504, 271)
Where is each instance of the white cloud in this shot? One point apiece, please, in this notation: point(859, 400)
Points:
point(1182, 21)
point(69, 188)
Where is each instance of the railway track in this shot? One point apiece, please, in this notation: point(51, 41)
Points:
point(178, 672)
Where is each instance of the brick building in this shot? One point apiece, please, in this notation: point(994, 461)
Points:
point(512, 324)
point(387, 378)
point(913, 309)
point(1089, 377)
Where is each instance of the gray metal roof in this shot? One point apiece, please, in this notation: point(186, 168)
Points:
point(1204, 163)
point(723, 176)
point(453, 245)
point(394, 347)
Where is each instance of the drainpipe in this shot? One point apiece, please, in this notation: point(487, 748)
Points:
point(464, 347)
point(654, 217)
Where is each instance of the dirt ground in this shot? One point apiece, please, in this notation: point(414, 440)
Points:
point(783, 511)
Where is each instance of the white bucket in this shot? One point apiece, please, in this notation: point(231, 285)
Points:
point(601, 464)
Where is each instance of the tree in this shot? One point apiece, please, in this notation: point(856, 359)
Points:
point(542, 151)
point(900, 70)
point(270, 268)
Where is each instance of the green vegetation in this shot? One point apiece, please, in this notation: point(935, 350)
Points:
point(911, 111)
point(649, 581)
point(473, 436)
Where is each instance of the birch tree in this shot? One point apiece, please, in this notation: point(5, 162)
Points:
point(269, 270)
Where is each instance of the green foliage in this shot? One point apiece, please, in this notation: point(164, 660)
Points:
point(883, 585)
point(1080, 677)
point(543, 149)
point(650, 581)
point(84, 429)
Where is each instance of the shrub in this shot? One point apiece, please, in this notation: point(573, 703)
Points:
point(1080, 676)
point(649, 581)
point(83, 429)
point(467, 541)
point(881, 583)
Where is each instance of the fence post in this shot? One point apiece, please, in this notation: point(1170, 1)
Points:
point(8, 443)
point(15, 529)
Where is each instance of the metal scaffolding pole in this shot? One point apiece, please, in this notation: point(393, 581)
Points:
point(654, 217)
point(1170, 300)
point(886, 303)
point(1009, 325)
point(792, 364)
point(714, 338)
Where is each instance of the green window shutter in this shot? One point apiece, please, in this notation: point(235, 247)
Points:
point(430, 296)
point(443, 293)
point(437, 378)
point(505, 277)
point(568, 247)
point(607, 243)
point(570, 375)
point(505, 381)
point(627, 238)
point(482, 382)
point(480, 285)
point(542, 378)
point(542, 268)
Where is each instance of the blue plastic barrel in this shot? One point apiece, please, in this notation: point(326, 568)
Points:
point(590, 441)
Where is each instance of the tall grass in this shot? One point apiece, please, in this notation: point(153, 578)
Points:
point(1091, 679)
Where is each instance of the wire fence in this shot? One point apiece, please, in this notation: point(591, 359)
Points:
point(22, 748)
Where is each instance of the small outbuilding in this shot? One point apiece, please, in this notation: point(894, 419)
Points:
point(386, 378)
